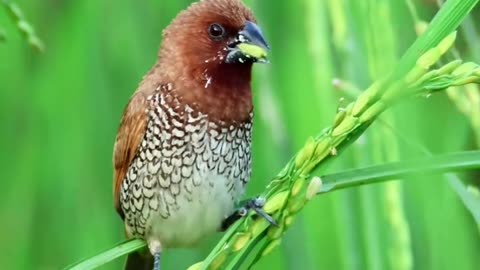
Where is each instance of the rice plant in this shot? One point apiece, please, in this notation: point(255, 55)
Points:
point(365, 142)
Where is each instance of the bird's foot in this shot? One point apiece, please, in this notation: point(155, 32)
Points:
point(254, 204)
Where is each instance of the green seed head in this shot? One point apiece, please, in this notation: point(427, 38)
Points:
point(276, 202)
point(276, 232)
point(296, 204)
point(323, 148)
point(346, 126)
point(306, 152)
point(447, 43)
point(258, 226)
point(420, 27)
point(313, 187)
point(289, 220)
point(253, 50)
point(271, 246)
point(465, 68)
point(196, 266)
point(429, 58)
point(339, 118)
point(372, 112)
point(241, 239)
point(219, 260)
point(464, 81)
point(448, 68)
point(367, 97)
point(297, 186)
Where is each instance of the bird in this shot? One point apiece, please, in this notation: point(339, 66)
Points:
point(182, 154)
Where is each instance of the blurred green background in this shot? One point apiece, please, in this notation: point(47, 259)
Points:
point(59, 113)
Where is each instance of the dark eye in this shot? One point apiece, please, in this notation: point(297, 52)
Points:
point(216, 31)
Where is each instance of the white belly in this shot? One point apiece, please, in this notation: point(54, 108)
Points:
point(196, 216)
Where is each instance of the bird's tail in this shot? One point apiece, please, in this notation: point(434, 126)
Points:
point(139, 261)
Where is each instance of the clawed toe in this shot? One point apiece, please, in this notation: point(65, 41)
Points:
point(256, 204)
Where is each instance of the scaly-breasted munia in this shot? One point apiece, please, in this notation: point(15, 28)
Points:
point(182, 155)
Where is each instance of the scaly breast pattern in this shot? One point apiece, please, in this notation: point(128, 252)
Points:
point(187, 174)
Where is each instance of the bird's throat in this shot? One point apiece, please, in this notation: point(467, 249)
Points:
point(223, 92)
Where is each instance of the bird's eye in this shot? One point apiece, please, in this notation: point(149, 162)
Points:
point(216, 31)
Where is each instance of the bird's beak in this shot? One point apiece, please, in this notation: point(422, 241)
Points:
point(249, 46)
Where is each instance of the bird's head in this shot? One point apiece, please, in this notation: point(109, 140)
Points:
point(208, 51)
point(213, 39)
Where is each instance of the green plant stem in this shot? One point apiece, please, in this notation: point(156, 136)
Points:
point(470, 199)
point(395, 170)
point(119, 250)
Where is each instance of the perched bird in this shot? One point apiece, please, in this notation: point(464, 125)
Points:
point(182, 155)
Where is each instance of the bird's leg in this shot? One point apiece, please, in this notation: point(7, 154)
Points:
point(156, 261)
point(254, 204)
point(155, 249)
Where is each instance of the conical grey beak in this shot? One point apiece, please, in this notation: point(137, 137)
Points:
point(249, 46)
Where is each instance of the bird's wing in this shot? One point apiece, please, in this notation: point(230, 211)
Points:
point(129, 136)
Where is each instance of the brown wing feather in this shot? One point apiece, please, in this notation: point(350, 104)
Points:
point(129, 136)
